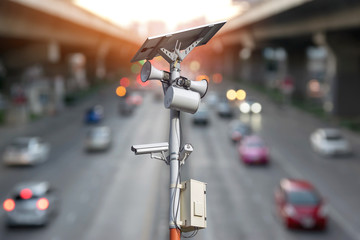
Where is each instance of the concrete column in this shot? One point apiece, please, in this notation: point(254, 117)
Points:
point(257, 67)
point(231, 62)
point(346, 86)
point(297, 70)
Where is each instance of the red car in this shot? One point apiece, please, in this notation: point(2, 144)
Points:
point(252, 150)
point(300, 205)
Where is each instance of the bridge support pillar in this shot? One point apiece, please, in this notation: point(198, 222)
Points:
point(297, 70)
point(253, 68)
point(346, 87)
point(232, 65)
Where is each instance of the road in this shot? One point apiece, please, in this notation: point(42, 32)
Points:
point(117, 195)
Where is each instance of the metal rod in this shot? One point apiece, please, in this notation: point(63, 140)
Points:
point(174, 148)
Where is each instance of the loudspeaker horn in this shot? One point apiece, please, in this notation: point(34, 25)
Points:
point(199, 86)
point(149, 72)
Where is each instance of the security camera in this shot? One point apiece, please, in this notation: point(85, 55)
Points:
point(185, 152)
point(150, 148)
point(181, 99)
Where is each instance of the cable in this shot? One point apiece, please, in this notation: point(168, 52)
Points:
point(174, 197)
point(193, 234)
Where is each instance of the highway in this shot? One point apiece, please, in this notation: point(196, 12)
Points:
point(117, 195)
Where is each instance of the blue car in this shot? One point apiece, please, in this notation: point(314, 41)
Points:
point(94, 114)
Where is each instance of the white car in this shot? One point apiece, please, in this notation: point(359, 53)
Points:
point(26, 151)
point(329, 141)
point(98, 138)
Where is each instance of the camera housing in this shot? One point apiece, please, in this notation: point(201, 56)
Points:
point(150, 148)
point(181, 99)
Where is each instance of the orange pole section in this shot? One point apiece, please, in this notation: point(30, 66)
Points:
point(174, 234)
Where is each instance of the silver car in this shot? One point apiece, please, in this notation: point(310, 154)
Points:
point(26, 151)
point(30, 204)
point(98, 138)
point(330, 142)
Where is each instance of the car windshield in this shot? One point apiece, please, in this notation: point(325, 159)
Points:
point(20, 144)
point(98, 133)
point(242, 129)
point(254, 145)
point(303, 197)
point(334, 137)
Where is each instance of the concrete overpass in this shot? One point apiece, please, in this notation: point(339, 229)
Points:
point(303, 40)
point(45, 32)
point(49, 41)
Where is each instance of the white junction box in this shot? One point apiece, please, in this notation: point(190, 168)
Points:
point(193, 205)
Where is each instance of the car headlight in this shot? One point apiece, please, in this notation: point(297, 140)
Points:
point(245, 107)
point(323, 211)
point(290, 210)
point(256, 108)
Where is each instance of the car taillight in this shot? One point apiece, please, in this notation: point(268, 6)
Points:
point(9, 205)
point(290, 210)
point(26, 193)
point(42, 204)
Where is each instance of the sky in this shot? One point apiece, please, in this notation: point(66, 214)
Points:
point(172, 12)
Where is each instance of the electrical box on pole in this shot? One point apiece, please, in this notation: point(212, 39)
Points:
point(193, 205)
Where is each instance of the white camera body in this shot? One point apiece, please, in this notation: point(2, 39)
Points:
point(181, 99)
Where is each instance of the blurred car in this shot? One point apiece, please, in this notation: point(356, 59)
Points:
point(134, 98)
point(212, 99)
point(225, 110)
point(300, 205)
point(30, 204)
point(26, 151)
point(329, 142)
point(98, 138)
point(252, 150)
point(94, 114)
point(125, 108)
point(238, 130)
point(201, 116)
point(250, 106)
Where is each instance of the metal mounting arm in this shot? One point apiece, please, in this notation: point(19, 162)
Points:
point(177, 54)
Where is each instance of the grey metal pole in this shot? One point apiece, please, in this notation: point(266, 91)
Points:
point(174, 148)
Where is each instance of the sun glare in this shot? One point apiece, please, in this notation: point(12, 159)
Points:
point(172, 14)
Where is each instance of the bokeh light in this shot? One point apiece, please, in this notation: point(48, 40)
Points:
point(231, 94)
point(141, 83)
point(42, 204)
point(256, 108)
point(9, 205)
point(121, 91)
point(135, 68)
point(244, 107)
point(201, 77)
point(26, 193)
point(125, 82)
point(194, 66)
point(217, 78)
point(240, 95)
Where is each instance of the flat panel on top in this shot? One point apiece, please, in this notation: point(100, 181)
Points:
point(151, 46)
